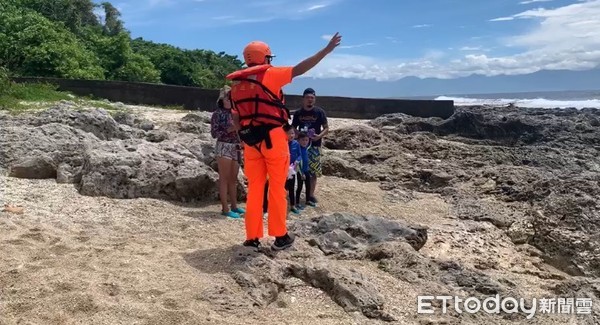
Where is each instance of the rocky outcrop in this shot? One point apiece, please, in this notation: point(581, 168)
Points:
point(191, 123)
point(120, 157)
point(265, 276)
point(533, 172)
point(348, 288)
point(357, 137)
point(95, 121)
point(131, 120)
point(131, 169)
point(323, 246)
point(56, 143)
point(350, 236)
point(34, 167)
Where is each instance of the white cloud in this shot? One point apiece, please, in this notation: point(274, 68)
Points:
point(574, 28)
point(474, 49)
point(158, 3)
point(355, 46)
point(532, 1)
point(225, 17)
point(273, 10)
point(502, 19)
point(327, 37)
point(226, 12)
point(434, 54)
point(154, 3)
point(421, 26)
point(566, 37)
point(237, 21)
point(470, 48)
point(316, 7)
point(392, 39)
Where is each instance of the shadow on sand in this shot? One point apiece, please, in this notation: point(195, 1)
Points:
point(208, 216)
point(227, 259)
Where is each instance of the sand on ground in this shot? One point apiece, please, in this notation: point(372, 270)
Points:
point(73, 259)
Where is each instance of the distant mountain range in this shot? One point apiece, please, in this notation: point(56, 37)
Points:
point(546, 80)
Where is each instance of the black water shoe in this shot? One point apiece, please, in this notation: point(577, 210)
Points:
point(282, 242)
point(252, 243)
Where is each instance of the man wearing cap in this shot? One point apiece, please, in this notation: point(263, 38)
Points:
point(312, 120)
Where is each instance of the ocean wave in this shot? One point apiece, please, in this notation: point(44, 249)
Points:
point(533, 103)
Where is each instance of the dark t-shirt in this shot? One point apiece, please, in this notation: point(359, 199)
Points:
point(309, 121)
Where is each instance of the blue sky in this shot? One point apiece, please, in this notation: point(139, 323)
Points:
point(385, 40)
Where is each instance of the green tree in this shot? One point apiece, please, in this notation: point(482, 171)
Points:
point(118, 59)
point(110, 50)
point(112, 21)
point(4, 81)
point(74, 14)
point(137, 68)
point(199, 68)
point(205, 78)
point(32, 45)
point(64, 38)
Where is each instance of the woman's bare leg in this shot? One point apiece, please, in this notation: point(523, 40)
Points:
point(224, 166)
point(234, 170)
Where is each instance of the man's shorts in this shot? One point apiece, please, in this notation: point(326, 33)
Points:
point(314, 161)
point(227, 150)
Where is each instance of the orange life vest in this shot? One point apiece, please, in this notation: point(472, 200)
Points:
point(254, 102)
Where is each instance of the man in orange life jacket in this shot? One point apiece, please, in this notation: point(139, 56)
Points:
point(259, 114)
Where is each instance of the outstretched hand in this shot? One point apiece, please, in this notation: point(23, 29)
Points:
point(334, 42)
point(309, 63)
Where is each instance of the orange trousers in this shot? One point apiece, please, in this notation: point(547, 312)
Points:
point(258, 164)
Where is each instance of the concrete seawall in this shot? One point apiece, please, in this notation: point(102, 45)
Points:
point(204, 99)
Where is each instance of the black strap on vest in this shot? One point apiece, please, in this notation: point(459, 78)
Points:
point(275, 101)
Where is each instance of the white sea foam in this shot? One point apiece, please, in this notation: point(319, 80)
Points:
point(535, 102)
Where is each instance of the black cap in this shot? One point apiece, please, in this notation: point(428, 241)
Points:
point(309, 91)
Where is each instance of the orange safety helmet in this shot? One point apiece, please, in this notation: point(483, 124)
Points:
point(256, 52)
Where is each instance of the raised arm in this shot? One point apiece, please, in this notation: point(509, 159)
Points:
point(309, 63)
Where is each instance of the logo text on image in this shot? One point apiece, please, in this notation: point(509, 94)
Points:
point(509, 305)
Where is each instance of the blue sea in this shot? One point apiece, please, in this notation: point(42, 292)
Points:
point(546, 99)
